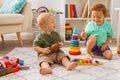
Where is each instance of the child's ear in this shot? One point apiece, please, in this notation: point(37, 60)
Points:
point(45, 26)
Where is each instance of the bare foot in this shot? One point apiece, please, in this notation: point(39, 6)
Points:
point(45, 71)
point(89, 56)
point(72, 65)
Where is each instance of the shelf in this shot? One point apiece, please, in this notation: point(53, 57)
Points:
point(83, 18)
point(105, 18)
point(78, 17)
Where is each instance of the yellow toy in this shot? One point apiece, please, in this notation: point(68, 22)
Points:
point(85, 62)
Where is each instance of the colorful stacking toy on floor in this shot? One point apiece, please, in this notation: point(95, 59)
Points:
point(11, 65)
point(74, 48)
point(85, 62)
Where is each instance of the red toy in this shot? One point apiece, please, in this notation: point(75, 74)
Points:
point(11, 65)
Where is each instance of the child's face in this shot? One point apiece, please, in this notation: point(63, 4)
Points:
point(98, 17)
point(51, 24)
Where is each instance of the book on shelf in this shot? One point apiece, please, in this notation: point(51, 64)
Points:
point(85, 11)
point(74, 11)
point(66, 10)
point(70, 11)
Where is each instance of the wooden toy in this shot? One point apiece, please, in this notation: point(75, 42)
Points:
point(86, 62)
point(54, 47)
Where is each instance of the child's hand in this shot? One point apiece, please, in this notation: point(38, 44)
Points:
point(103, 47)
point(83, 35)
point(46, 50)
point(60, 44)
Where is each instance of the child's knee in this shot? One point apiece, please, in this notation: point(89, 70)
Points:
point(92, 39)
point(108, 55)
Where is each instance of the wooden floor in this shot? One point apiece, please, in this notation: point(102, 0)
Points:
point(8, 45)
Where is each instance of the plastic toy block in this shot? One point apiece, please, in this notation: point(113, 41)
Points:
point(15, 60)
point(14, 64)
point(6, 62)
point(85, 62)
point(21, 62)
point(15, 69)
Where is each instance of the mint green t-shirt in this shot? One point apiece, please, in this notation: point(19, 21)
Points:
point(101, 32)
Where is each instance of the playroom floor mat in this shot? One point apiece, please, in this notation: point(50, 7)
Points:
point(109, 70)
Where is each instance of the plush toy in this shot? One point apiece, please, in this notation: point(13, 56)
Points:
point(55, 47)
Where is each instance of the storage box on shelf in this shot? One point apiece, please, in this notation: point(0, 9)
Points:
point(77, 13)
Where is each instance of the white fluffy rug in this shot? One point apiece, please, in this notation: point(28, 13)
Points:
point(110, 70)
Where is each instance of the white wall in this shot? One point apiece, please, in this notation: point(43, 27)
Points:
point(115, 4)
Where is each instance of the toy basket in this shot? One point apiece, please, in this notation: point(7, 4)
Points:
point(35, 27)
point(5, 71)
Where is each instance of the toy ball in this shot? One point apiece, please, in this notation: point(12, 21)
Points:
point(54, 47)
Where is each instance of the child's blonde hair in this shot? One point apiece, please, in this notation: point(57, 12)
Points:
point(42, 19)
point(99, 7)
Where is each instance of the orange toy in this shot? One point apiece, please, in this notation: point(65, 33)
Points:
point(85, 62)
